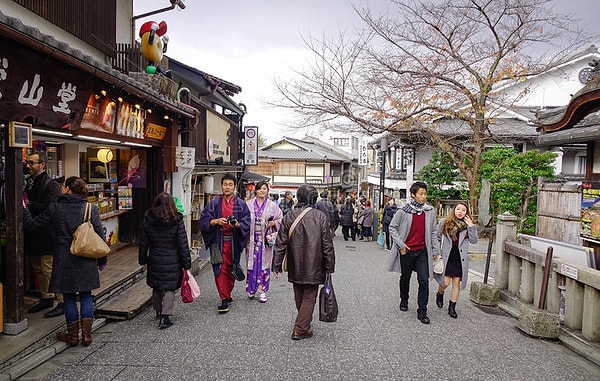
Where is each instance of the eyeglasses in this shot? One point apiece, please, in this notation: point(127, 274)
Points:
point(31, 162)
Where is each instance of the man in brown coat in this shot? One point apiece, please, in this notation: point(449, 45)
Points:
point(310, 256)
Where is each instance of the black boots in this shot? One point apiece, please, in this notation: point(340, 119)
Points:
point(439, 299)
point(164, 322)
point(452, 309)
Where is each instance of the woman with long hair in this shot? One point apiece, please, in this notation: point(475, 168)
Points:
point(455, 232)
point(72, 275)
point(265, 219)
point(165, 251)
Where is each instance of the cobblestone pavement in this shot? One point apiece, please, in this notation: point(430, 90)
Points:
point(372, 339)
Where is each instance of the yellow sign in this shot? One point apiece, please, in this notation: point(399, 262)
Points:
point(155, 131)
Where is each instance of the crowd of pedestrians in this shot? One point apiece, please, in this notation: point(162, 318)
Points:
point(250, 239)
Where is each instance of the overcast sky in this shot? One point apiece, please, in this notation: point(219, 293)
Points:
point(250, 42)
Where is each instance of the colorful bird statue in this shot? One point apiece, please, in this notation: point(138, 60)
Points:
point(154, 44)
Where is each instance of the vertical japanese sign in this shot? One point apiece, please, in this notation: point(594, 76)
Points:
point(251, 145)
point(362, 152)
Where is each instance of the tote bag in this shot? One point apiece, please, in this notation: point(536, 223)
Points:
point(189, 287)
point(328, 307)
point(86, 242)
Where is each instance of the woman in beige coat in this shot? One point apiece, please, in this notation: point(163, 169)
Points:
point(455, 232)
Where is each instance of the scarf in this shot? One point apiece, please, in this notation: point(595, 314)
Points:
point(456, 228)
point(414, 207)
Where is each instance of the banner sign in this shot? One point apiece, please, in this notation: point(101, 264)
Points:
point(251, 145)
point(362, 152)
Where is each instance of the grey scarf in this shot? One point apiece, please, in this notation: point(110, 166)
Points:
point(414, 207)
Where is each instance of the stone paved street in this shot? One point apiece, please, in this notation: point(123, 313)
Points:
point(372, 339)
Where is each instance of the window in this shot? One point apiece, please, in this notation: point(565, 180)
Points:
point(289, 169)
point(580, 163)
point(341, 142)
point(354, 143)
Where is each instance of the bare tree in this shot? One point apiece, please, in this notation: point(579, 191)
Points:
point(427, 61)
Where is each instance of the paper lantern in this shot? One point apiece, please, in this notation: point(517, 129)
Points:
point(209, 184)
point(104, 155)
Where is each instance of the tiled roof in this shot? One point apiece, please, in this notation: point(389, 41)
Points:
point(307, 151)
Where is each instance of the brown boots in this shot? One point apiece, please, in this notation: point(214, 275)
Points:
point(71, 335)
point(86, 331)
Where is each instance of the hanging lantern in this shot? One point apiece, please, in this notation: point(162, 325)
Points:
point(104, 155)
point(209, 184)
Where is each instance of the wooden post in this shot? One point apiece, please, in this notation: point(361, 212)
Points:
point(544, 290)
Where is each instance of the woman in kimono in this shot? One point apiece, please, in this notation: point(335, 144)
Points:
point(265, 218)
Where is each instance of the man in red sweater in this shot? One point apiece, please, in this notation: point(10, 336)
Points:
point(413, 230)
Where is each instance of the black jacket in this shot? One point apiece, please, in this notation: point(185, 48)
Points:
point(388, 214)
point(43, 192)
point(70, 273)
point(164, 248)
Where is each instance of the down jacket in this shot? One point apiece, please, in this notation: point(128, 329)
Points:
point(310, 249)
point(164, 248)
point(70, 273)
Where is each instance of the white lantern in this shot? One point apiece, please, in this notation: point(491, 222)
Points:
point(209, 184)
point(105, 155)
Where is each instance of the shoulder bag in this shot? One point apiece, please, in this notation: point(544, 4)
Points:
point(86, 242)
point(292, 228)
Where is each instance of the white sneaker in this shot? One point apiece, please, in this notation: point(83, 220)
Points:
point(263, 297)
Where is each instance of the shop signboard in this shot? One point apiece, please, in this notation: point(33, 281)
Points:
point(251, 145)
point(590, 210)
point(34, 87)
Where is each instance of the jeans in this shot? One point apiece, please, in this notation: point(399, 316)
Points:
point(87, 306)
point(419, 262)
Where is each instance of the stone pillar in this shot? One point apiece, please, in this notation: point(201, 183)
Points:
point(591, 310)
point(527, 281)
point(506, 229)
point(574, 304)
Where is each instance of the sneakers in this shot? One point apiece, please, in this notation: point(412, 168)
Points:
point(403, 306)
point(224, 307)
point(251, 295)
point(263, 297)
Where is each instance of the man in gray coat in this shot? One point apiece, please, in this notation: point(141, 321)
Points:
point(413, 231)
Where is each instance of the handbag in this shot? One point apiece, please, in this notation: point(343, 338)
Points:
point(216, 258)
point(238, 272)
point(270, 237)
point(86, 242)
point(189, 287)
point(292, 228)
point(438, 264)
point(328, 306)
point(381, 239)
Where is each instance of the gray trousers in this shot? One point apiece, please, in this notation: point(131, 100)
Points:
point(162, 301)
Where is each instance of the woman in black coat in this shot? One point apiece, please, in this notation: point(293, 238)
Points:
point(71, 275)
point(388, 213)
point(164, 249)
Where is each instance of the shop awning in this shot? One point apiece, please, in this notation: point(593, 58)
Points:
point(252, 176)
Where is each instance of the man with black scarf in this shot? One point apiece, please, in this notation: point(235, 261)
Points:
point(413, 230)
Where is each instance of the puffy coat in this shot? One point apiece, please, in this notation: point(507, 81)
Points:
point(366, 217)
point(164, 248)
point(310, 248)
point(70, 273)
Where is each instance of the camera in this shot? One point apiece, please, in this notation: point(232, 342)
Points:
point(231, 220)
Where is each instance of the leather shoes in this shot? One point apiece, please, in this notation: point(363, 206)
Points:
point(59, 310)
point(423, 318)
point(41, 305)
point(403, 306)
point(302, 335)
point(164, 322)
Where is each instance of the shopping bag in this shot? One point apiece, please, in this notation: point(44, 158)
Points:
point(328, 307)
point(381, 239)
point(187, 292)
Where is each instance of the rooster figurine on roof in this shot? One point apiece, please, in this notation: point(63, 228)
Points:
point(154, 44)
